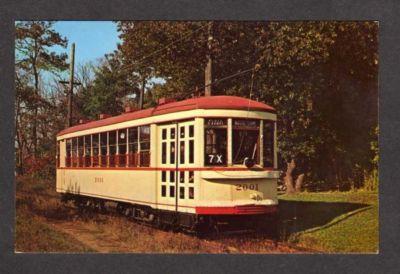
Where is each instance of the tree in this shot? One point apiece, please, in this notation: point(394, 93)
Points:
point(108, 89)
point(320, 76)
point(176, 51)
point(34, 40)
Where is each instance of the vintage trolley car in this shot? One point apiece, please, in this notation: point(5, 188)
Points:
point(196, 164)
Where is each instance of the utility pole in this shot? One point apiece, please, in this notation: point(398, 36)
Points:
point(71, 85)
point(141, 95)
point(208, 69)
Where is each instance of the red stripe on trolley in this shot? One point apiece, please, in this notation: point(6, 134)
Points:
point(236, 210)
point(170, 168)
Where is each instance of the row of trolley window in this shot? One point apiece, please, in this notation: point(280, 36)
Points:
point(130, 147)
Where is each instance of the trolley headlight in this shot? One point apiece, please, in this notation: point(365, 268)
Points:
point(249, 163)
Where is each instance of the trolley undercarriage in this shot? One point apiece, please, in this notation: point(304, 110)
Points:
point(200, 225)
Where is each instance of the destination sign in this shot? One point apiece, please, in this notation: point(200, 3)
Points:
point(246, 123)
point(216, 122)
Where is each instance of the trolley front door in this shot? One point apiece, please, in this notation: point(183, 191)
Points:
point(176, 142)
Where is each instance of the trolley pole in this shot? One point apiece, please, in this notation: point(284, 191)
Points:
point(71, 84)
point(208, 69)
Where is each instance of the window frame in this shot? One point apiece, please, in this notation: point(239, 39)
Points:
point(224, 126)
point(247, 128)
point(144, 152)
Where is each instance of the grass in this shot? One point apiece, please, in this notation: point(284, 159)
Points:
point(44, 224)
point(32, 235)
point(330, 222)
point(333, 222)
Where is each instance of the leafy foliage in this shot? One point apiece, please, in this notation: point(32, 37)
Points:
point(320, 76)
point(107, 90)
point(35, 113)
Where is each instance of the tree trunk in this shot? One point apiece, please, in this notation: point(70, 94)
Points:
point(35, 111)
point(18, 139)
point(289, 176)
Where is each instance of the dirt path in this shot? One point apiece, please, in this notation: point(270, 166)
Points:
point(108, 237)
point(89, 236)
point(109, 233)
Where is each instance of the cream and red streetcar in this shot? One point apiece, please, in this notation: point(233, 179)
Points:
point(197, 164)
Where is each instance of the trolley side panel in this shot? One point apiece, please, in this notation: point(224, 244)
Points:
point(133, 186)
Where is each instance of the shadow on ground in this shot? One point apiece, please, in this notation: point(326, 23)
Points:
point(299, 216)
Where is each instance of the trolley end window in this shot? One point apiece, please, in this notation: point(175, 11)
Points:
point(245, 140)
point(215, 142)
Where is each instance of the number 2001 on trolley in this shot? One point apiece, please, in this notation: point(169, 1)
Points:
point(196, 164)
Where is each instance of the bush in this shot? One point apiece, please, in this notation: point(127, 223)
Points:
point(371, 180)
point(42, 167)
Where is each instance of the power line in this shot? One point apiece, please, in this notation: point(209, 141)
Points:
point(167, 46)
point(240, 72)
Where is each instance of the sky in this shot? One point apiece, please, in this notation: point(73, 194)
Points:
point(92, 39)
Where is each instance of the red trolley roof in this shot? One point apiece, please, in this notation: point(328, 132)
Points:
point(209, 102)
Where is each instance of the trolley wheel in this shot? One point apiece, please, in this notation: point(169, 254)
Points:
point(120, 208)
point(269, 226)
point(102, 207)
point(213, 228)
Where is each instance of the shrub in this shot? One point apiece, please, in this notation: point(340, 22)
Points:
point(43, 167)
point(371, 180)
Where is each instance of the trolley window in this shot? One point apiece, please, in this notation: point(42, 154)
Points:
point(172, 152)
point(122, 141)
point(144, 138)
point(112, 139)
point(133, 139)
point(245, 140)
point(215, 141)
point(122, 147)
point(103, 148)
point(87, 149)
point(95, 147)
point(268, 143)
point(164, 153)
point(191, 151)
point(191, 131)
point(171, 191)
point(181, 192)
point(133, 146)
point(80, 151)
point(163, 190)
point(182, 152)
point(74, 152)
point(191, 192)
point(68, 153)
point(191, 177)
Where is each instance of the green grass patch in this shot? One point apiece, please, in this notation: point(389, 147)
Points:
point(34, 236)
point(331, 221)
